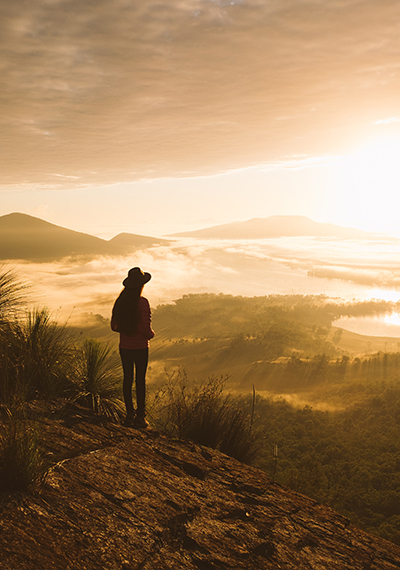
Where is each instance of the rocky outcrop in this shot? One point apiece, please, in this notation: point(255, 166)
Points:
point(117, 498)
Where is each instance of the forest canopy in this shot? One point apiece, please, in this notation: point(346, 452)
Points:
point(244, 336)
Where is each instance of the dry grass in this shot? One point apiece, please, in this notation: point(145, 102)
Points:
point(20, 452)
point(97, 378)
point(204, 414)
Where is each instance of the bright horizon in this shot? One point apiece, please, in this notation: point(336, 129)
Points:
point(360, 190)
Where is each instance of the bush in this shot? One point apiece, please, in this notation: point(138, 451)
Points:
point(11, 381)
point(240, 439)
point(12, 294)
point(20, 452)
point(205, 415)
point(38, 359)
point(96, 382)
point(36, 356)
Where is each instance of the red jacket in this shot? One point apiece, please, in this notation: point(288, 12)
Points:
point(144, 331)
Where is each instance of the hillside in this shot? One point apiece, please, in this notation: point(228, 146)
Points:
point(32, 239)
point(275, 226)
point(117, 498)
point(254, 341)
point(217, 334)
point(127, 241)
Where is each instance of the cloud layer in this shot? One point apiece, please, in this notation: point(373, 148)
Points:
point(118, 90)
point(349, 269)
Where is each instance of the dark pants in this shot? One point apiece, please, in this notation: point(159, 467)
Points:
point(139, 358)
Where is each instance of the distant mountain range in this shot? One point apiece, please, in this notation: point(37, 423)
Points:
point(24, 237)
point(32, 239)
point(275, 226)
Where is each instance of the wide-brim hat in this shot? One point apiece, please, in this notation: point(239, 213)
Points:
point(136, 278)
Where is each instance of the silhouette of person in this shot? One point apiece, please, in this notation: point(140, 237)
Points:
point(131, 317)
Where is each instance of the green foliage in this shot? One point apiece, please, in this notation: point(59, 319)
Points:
point(12, 294)
point(296, 374)
point(217, 334)
point(210, 316)
point(202, 413)
point(35, 357)
point(11, 381)
point(348, 459)
point(20, 452)
point(46, 349)
point(96, 380)
point(38, 359)
point(239, 438)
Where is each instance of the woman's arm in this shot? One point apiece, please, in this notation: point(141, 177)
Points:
point(113, 323)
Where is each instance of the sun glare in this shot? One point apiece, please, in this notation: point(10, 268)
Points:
point(367, 186)
point(393, 319)
point(385, 295)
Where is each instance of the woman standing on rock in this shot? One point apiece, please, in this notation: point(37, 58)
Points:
point(131, 317)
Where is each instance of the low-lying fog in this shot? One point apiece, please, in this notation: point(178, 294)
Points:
point(348, 269)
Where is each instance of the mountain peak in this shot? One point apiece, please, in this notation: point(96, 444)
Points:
point(17, 220)
point(275, 226)
point(25, 237)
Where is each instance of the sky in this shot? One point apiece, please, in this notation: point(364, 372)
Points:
point(161, 116)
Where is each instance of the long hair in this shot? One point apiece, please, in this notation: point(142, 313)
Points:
point(126, 310)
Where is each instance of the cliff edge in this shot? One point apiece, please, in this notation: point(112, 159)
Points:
point(115, 498)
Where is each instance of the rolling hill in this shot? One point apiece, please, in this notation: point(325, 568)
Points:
point(25, 237)
point(275, 226)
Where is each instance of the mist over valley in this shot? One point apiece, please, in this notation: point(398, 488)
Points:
point(76, 274)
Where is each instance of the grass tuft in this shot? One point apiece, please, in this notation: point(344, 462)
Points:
point(20, 452)
point(205, 415)
point(97, 383)
point(35, 357)
point(12, 294)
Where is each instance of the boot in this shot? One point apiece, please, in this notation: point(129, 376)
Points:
point(140, 422)
point(129, 420)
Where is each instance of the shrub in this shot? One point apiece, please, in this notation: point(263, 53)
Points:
point(12, 294)
point(11, 381)
point(205, 415)
point(20, 452)
point(35, 357)
point(240, 439)
point(96, 382)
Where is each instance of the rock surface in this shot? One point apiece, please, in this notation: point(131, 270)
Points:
point(122, 499)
